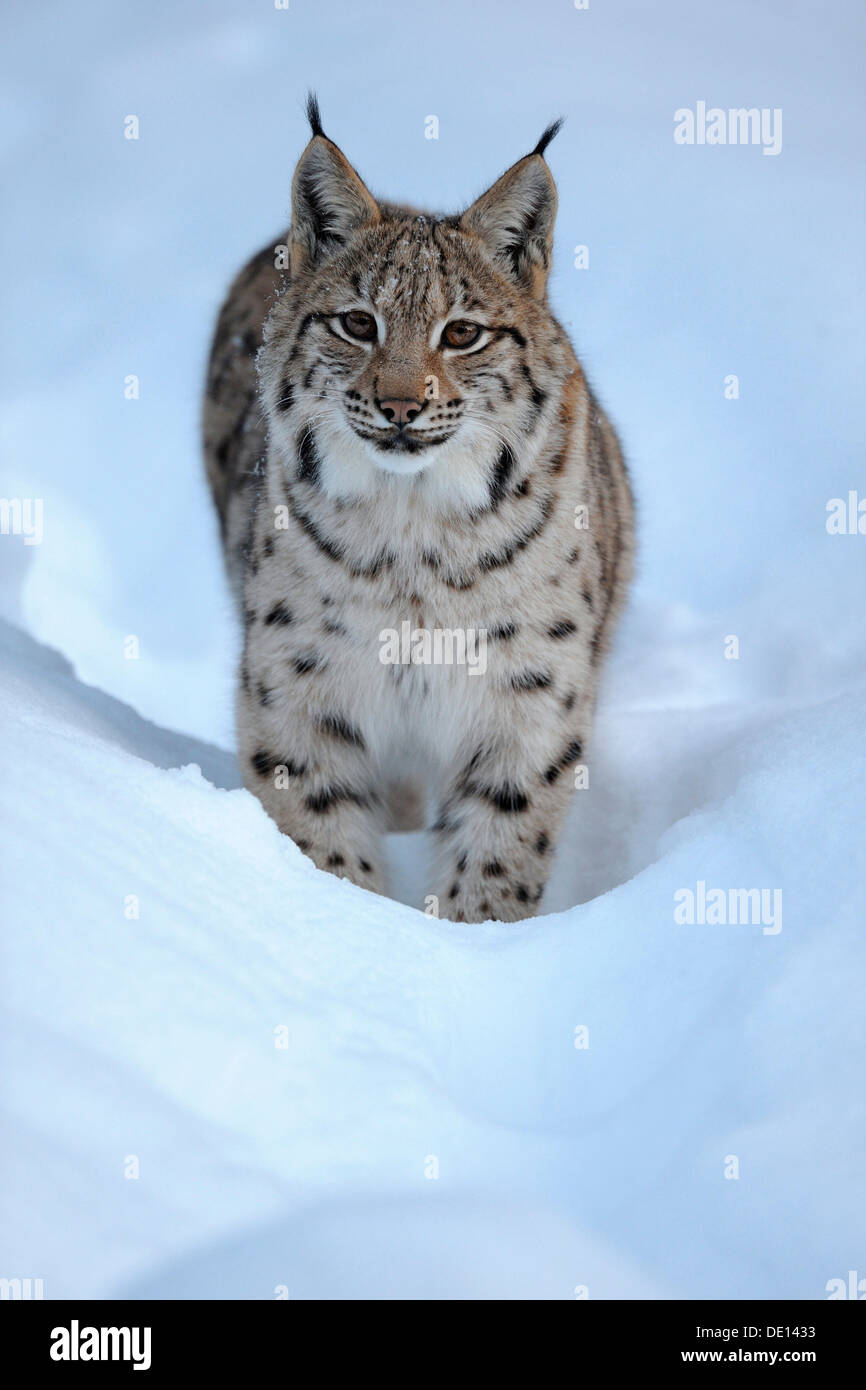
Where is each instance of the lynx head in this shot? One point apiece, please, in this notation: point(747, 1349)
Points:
point(405, 343)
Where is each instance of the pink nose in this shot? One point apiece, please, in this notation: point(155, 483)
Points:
point(400, 412)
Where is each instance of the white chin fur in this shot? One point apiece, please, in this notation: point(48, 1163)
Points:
point(455, 473)
point(402, 464)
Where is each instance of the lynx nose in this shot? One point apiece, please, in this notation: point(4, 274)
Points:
point(400, 412)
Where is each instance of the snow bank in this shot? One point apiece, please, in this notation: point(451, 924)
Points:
point(326, 1091)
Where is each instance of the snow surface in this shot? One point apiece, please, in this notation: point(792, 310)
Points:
point(411, 1043)
point(307, 1165)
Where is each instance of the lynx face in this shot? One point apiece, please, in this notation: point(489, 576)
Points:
point(404, 343)
point(410, 354)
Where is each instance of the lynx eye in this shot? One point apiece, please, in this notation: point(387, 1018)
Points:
point(359, 325)
point(460, 334)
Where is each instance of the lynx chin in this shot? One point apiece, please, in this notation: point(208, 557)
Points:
point(397, 431)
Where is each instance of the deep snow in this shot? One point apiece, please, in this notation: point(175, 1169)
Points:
point(407, 1040)
point(309, 1166)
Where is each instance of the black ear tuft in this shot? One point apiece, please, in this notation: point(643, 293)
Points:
point(552, 130)
point(315, 118)
point(330, 202)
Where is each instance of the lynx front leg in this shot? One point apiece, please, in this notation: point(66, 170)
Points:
point(498, 828)
point(316, 782)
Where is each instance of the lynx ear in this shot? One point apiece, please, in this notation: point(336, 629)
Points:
point(514, 219)
point(329, 200)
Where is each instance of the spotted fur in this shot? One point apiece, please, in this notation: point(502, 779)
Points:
point(337, 524)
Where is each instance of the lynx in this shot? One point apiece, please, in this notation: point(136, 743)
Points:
point(397, 431)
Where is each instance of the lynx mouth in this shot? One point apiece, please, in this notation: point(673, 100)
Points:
point(403, 441)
